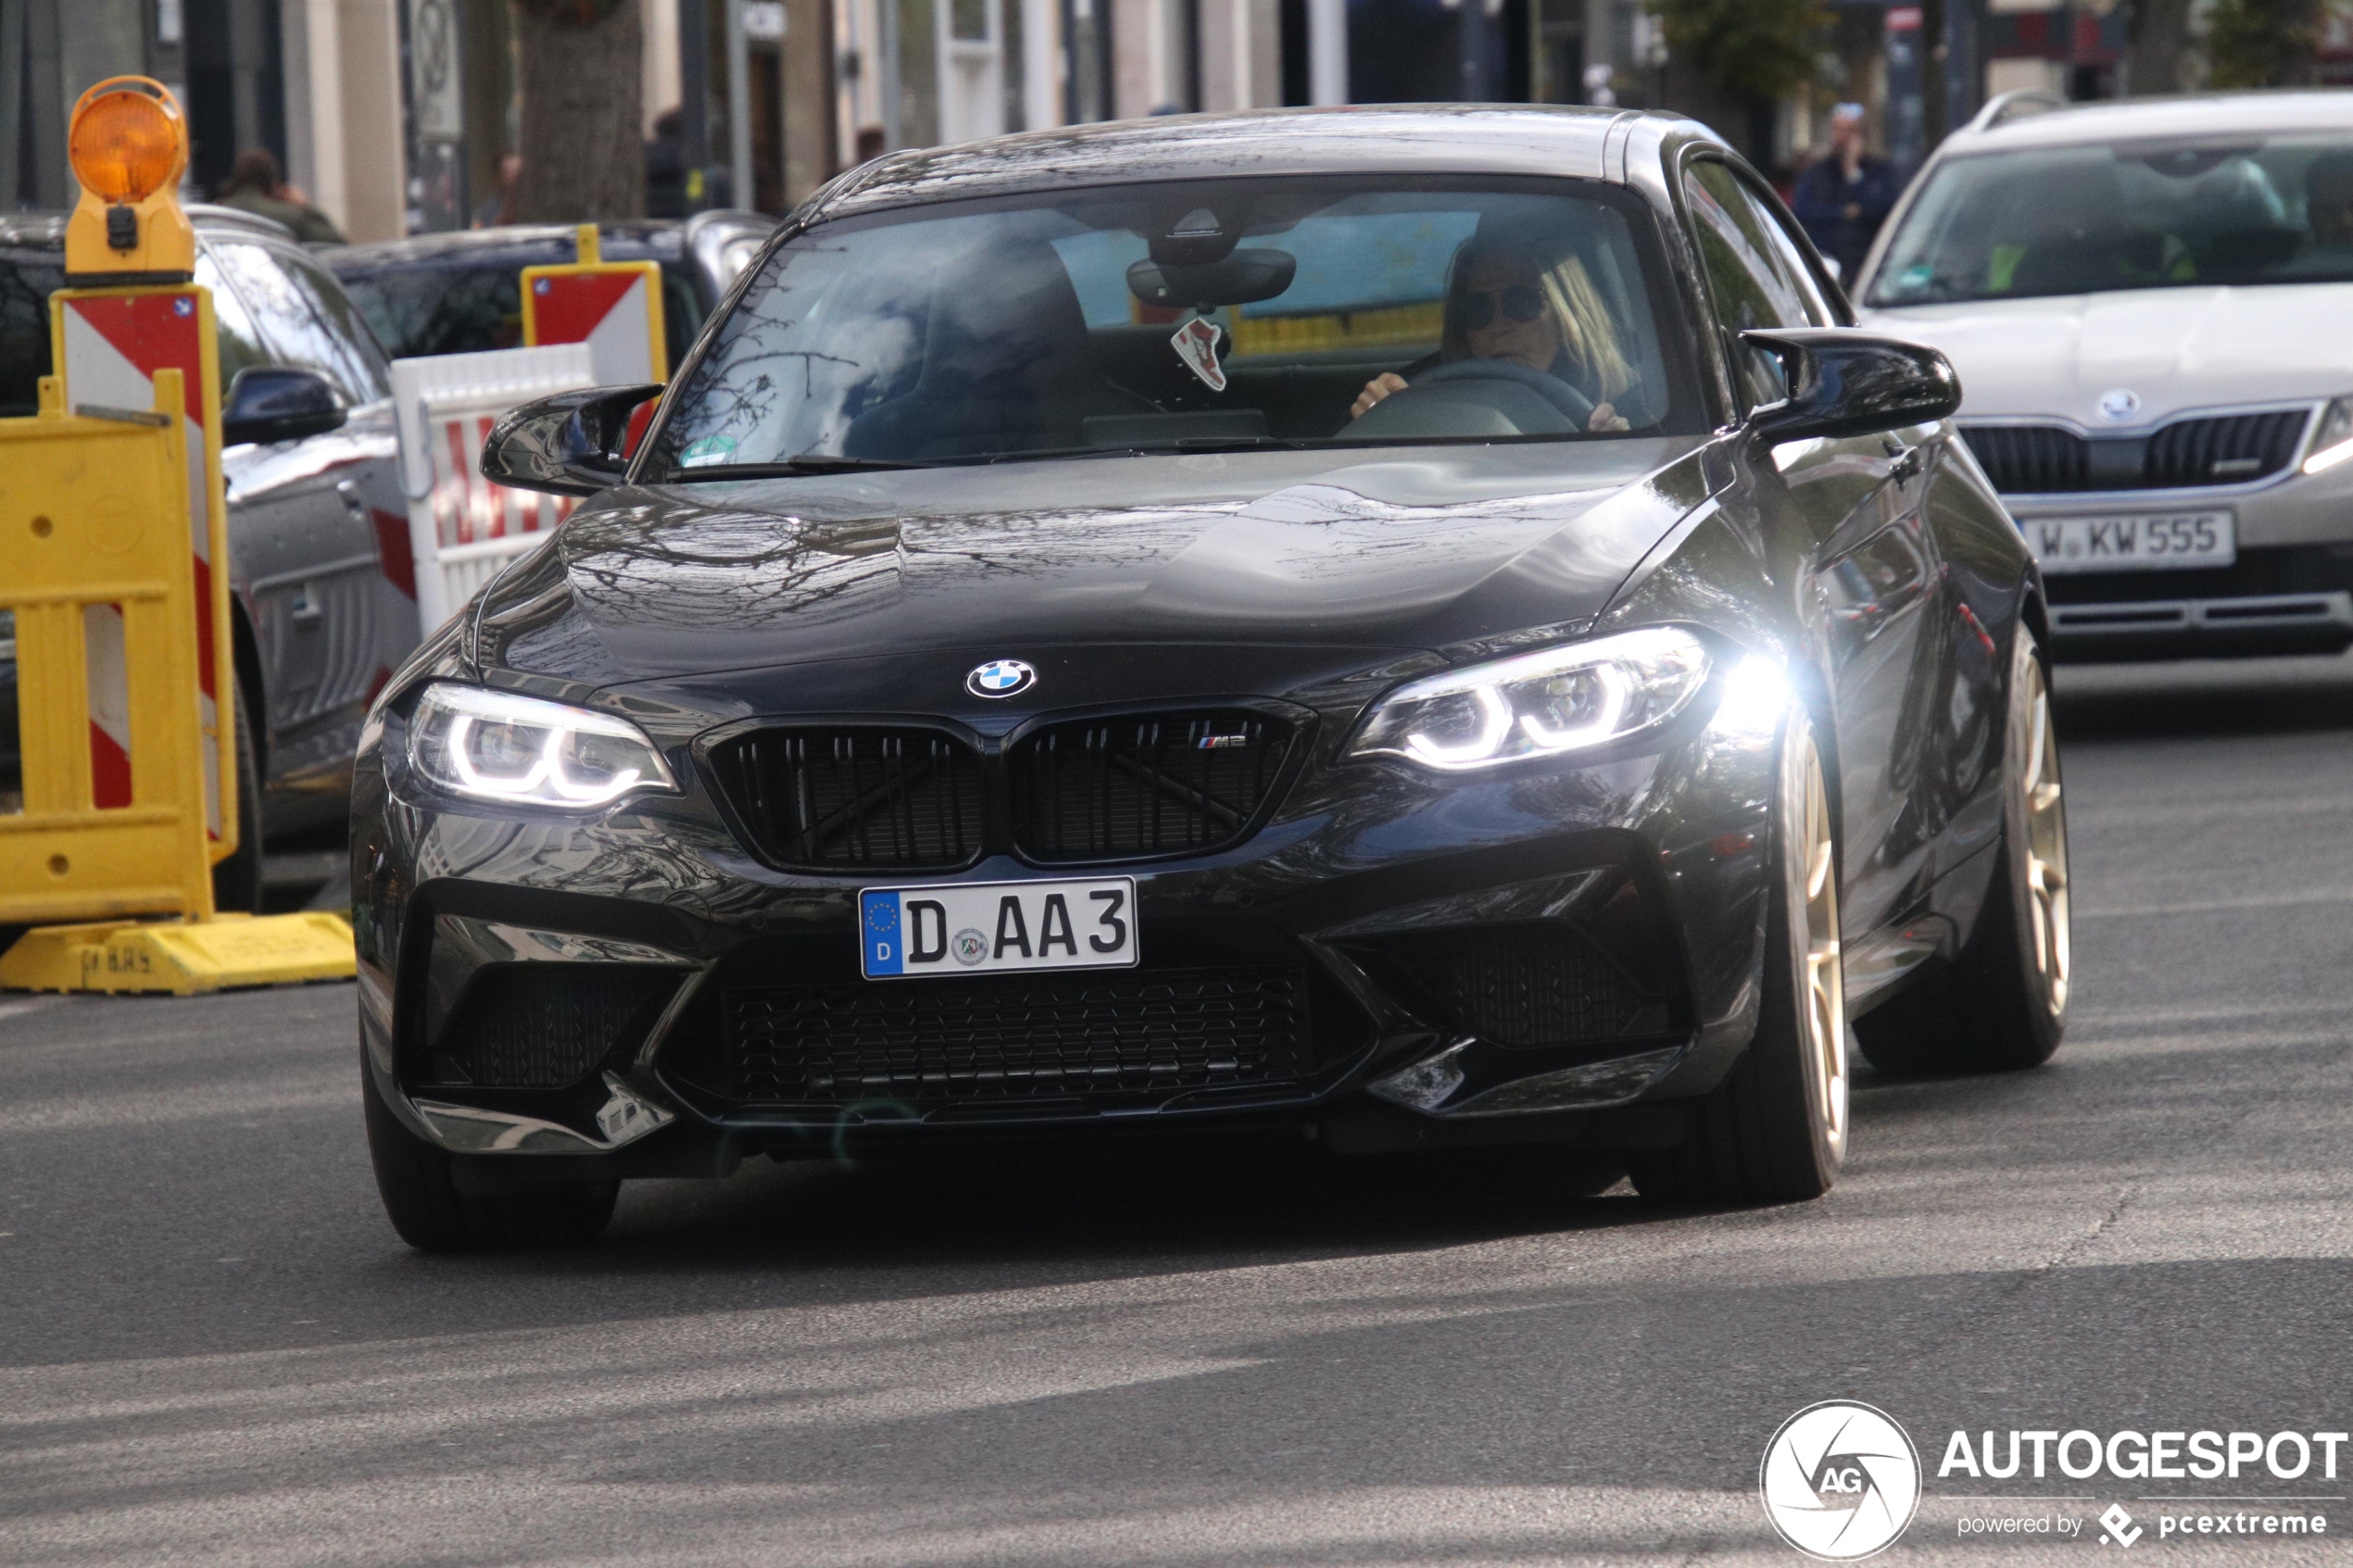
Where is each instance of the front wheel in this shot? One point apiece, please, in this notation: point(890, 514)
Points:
point(422, 1199)
point(1774, 1130)
point(2002, 1004)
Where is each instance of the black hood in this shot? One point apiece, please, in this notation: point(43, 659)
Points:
point(1406, 549)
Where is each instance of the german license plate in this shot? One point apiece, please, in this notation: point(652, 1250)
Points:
point(2148, 542)
point(977, 927)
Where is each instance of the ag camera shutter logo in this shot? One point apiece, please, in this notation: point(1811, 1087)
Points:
point(1841, 1480)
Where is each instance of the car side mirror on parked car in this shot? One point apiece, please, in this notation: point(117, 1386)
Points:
point(572, 444)
point(279, 403)
point(1847, 382)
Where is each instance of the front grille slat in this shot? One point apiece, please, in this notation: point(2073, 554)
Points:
point(1014, 1038)
point(852, 798)
point(1106, 789)
point(2185, 455)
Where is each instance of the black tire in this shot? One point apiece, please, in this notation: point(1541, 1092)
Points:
point(1774, 1130)
point(425, 1207)
point(2001, 1005)
point(236, 882)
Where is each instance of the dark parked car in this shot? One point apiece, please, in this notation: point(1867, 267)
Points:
point(323, 603)
point(462, 293)
point(1407, 627)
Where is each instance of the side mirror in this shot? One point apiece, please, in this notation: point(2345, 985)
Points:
point(278, 403)
point(573, 444)
point(1847, 382)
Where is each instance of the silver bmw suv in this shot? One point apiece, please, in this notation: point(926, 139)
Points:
point(2149, 305)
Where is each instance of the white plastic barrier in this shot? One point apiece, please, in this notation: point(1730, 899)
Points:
point(462, 529)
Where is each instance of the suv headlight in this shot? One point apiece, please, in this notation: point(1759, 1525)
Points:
point(2332, 443)
point(1540, 704)
point(522, 751)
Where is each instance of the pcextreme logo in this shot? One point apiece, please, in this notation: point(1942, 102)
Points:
point(1841, 1480)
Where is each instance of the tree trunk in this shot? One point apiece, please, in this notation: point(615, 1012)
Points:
point(2160, 60)
point(582, 153)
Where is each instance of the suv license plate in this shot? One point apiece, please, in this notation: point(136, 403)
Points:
point(974, 927)
point(2150, 541)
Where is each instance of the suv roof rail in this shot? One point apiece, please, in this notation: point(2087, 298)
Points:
point(2016, 104)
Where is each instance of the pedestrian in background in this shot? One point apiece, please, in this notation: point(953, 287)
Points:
point(1844, 196)
point(499, 206)
point(255, 186)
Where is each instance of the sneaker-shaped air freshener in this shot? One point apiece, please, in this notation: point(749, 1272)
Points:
point(1196, 344)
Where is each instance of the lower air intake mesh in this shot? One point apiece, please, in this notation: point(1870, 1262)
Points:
point(945, 1041)
point(1535, 983)
point(546, 1026)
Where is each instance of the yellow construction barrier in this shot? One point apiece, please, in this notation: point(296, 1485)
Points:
point(93, 562)
point(97, 566)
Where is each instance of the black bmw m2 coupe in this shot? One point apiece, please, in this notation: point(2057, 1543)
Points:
point(1402, 627)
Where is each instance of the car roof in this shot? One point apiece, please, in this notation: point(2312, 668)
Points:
point(2168, 118)
point(47, 231)
point(634, 239)
point(1523, 138)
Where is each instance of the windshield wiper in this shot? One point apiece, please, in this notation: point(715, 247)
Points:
point(807, 463)
point(1184, 445)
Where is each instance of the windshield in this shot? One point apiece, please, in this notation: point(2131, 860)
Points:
point(1161, 317)
point(465, 306)
point(2137, 216)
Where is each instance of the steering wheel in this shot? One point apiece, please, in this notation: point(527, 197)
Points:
point(1550, 388)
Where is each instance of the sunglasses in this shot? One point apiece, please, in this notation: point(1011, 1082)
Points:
point(1520, 303)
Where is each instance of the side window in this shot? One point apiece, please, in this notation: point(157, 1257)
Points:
point(238, 340)
point(25, 284)
point(1787, 258)
point(355, 342)
point(1746, 273)
point(280, 291)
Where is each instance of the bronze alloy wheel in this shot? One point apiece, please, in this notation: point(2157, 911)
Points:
point(2045, 815)
point(1824, 1000)
point(1774, 1129)
point(2001, 1002)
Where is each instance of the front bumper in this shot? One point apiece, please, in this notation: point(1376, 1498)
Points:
point(1390, 960)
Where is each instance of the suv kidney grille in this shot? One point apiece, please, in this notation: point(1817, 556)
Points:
point(855, 797)
point(1144, 783)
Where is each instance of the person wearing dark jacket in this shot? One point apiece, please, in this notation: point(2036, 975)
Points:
point(255, 186)
point(1844, 196)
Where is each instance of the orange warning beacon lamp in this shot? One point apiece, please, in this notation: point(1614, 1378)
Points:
point(128, 142)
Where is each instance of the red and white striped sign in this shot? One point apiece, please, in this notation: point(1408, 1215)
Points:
point(112, 341)
point(614, 307)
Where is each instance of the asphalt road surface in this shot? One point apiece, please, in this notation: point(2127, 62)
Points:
point(212, 1348)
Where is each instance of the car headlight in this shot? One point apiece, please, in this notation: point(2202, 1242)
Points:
point(522, 751)
point(1540, 704)
point(2332, 443)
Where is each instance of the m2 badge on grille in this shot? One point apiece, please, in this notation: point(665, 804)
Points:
point(966, 927)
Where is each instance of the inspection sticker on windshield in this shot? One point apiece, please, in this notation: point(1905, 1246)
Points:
point(2145, 542)
point(1196, 344)
point(963, 927)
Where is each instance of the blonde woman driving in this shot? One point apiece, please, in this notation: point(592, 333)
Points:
point(1503, 304)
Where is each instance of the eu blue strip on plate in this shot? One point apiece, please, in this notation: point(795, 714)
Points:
point(878, 920)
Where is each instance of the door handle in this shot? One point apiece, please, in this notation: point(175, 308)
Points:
point(306, 609)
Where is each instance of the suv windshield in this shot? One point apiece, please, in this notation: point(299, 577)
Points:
point(2141, 214)
point(1239, 313)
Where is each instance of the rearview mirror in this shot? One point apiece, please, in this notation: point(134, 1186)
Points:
point(573, 444)
point(1242, 278)
point(279, 403)
point(1847, 382)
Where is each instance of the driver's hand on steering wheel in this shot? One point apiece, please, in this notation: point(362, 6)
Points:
point(1375, 390)
point(1604, 416)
